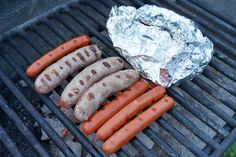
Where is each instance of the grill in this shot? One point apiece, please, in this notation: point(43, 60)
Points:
point(202, 124)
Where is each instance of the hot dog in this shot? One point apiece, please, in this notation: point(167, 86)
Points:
point(111, 108)
point(87, 77)
point(130, 130)
point(89, 102)
point(52, 76)
point(43, 62)
point(128, 112)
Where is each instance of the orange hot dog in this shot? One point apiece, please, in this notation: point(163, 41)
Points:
point(101, 116)
point(130, 130)
point(43, 62)
point(128, 112)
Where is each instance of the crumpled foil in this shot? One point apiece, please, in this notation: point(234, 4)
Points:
point(162, 45)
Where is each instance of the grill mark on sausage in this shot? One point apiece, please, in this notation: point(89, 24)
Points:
point(48, 77)
point(68, 63)
point(81, 82)
point(76, 90)
point(104, 84)
point(117, 76)
point(87, 53)
point(90, 96)
point(88, 77)
point(106, 64)
point(94, 51)
point(81, 57)
point(129, 76)
point(93, 72)
point(74, 59)
point(70, 94)
point(56, 73)
point(44, 82)
point(120, 60)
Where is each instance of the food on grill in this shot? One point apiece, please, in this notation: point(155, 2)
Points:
point(129, 111)
point(52, 76)
point(87, 77)
point(130, 130)
point(111, 108)
point(43, 62)
point(89, 102)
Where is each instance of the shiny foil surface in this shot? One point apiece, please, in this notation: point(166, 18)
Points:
point(162, 45)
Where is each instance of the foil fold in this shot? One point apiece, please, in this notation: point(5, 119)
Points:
point(162, 45)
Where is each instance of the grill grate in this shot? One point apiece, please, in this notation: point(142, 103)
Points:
point(206, 106)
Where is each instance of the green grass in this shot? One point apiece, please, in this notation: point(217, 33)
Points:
point(231, 152)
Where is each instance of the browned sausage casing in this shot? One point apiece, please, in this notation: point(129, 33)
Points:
point(87, 77)
point(52, 76)
point(89, 102)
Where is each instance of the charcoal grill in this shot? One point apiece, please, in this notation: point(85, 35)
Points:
point(203, 123)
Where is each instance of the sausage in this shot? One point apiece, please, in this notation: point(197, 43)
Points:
point(43, 62)
point(130, 130)
point(89, 102)
point(128, 112)
point(52, 76)
point(87, 77)
point(111, 108)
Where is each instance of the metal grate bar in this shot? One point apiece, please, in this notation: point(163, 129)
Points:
point(8, 143)
point(41, 121)
point(22, 127)
point(193, 128)
point(225, 144)
point(208, 102)
point(158, 140)
point(225, 19)
point(220, 79)
point(181, 138)
point(220, 66)
point(216, 91)
point(225, 58)
point(226, 26)
point(64, 119)
point(192, 106)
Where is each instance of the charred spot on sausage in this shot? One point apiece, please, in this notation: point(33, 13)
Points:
point(104, 84)
point(94, 51)
point(129, 76)
point(88, 77)
point(90, 96)
point(106, 64)
point(38, 64)
point(93, 72)
point(81, 57)
point(62, 48)
point(120, 60)
point(87, 53)
point(48, 77)
point(81, 82)
point(68, 63)
point(76, 90)
point(74, 59)
point(117, 76)
point(56, 73)
point(70, 94)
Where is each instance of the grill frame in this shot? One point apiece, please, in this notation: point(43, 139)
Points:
point(221, 62)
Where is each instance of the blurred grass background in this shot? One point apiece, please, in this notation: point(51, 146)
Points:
point(231, 152)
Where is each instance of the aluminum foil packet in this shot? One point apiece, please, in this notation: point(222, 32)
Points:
point(162, 45)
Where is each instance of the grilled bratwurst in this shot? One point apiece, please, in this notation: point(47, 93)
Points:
point(52, 76)
point(89, 102)
point(87, 77)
